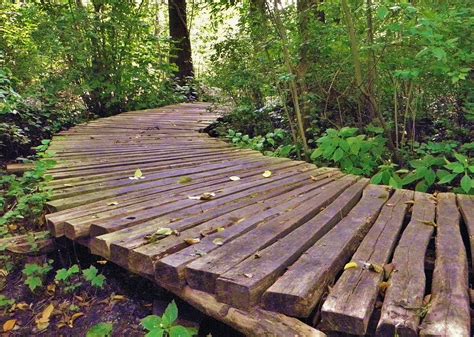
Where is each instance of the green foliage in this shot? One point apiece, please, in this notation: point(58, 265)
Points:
point(26, 121)
point(353, 153)
point(276, 143)
point(6, 303)
point(100, 330)
point(92, 276)
point(461, 169)
point(429, 172)
point(36, 273)
point(165, 325)
point(67, 278)
point(108, 53)
point(23, 198)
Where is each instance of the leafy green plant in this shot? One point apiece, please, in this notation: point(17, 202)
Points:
point(462, 168)
point(388, 175)
point(100, 330)
point(424, 174)
point(36, 273)
point(67, 278)
point(273, 143)
point(434, 148)
point(6, 303)
point(92, 276)
point(353, 153)
point(165, 325)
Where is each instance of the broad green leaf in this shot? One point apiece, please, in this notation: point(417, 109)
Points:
point(338, 154)
point(439, 53)
point(156, 333)
point(430, 177)
point(466, 183)
point(100, 330)
point(170, 315)
point(382, 12)
point(394, 183)
point(447, 178)
point(181, 331)
point(421, 186)
point(462, 159)
point(33, 282)
point(455, 167)
point(316, 153)
point(376, 179)
point(151, 322)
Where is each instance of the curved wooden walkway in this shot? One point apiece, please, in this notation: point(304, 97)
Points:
point(258, 251)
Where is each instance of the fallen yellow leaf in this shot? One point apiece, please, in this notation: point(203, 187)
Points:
point(218, 241)
point(119, 298)
point(23, 306)
point(47, 312)
point(137, 175)
point(9, 325)
point(73, 318)
point(192, 241)
point(267, 174)
point(185, 180)
point(351, 265)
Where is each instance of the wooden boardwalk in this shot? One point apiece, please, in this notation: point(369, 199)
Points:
point(265, 254)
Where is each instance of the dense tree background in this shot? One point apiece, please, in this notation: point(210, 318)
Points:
point(369, 86)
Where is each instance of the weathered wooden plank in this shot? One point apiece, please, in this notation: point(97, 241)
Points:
point(243, 285)
point(351, 301)
point(231, 167)
point(448, 312)
point(188, 216)
point(113, 175)
point(298, 291)
point(404, 297)
point(466, 206)
point(225, 192)
point(165, 177)
point(117, 245)
point(170, 270)
point(142, 258)
point(65, 203)
point(203, 273)
point(105, 177)
point(133, 165)
point(253, 323)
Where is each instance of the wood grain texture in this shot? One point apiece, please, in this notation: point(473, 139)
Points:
point(448, 312)
point(401, 310)
point(298, 291)
point(351, 301)
point(243, 285)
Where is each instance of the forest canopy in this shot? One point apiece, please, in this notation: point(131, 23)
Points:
point(372, 87)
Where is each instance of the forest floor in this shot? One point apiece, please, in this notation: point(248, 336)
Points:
point(125, 299)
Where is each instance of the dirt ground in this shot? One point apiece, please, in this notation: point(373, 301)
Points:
point(124, 301)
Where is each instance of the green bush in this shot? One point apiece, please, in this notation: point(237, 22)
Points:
point(352, 152)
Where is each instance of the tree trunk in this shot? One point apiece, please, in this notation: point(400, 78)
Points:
point(180, 36)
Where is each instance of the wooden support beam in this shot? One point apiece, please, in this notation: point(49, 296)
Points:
point(448, 311)
point(351, 301)
point(403, 304)
point(298, 291)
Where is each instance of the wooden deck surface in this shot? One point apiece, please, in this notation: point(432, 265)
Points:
point(263, 254)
